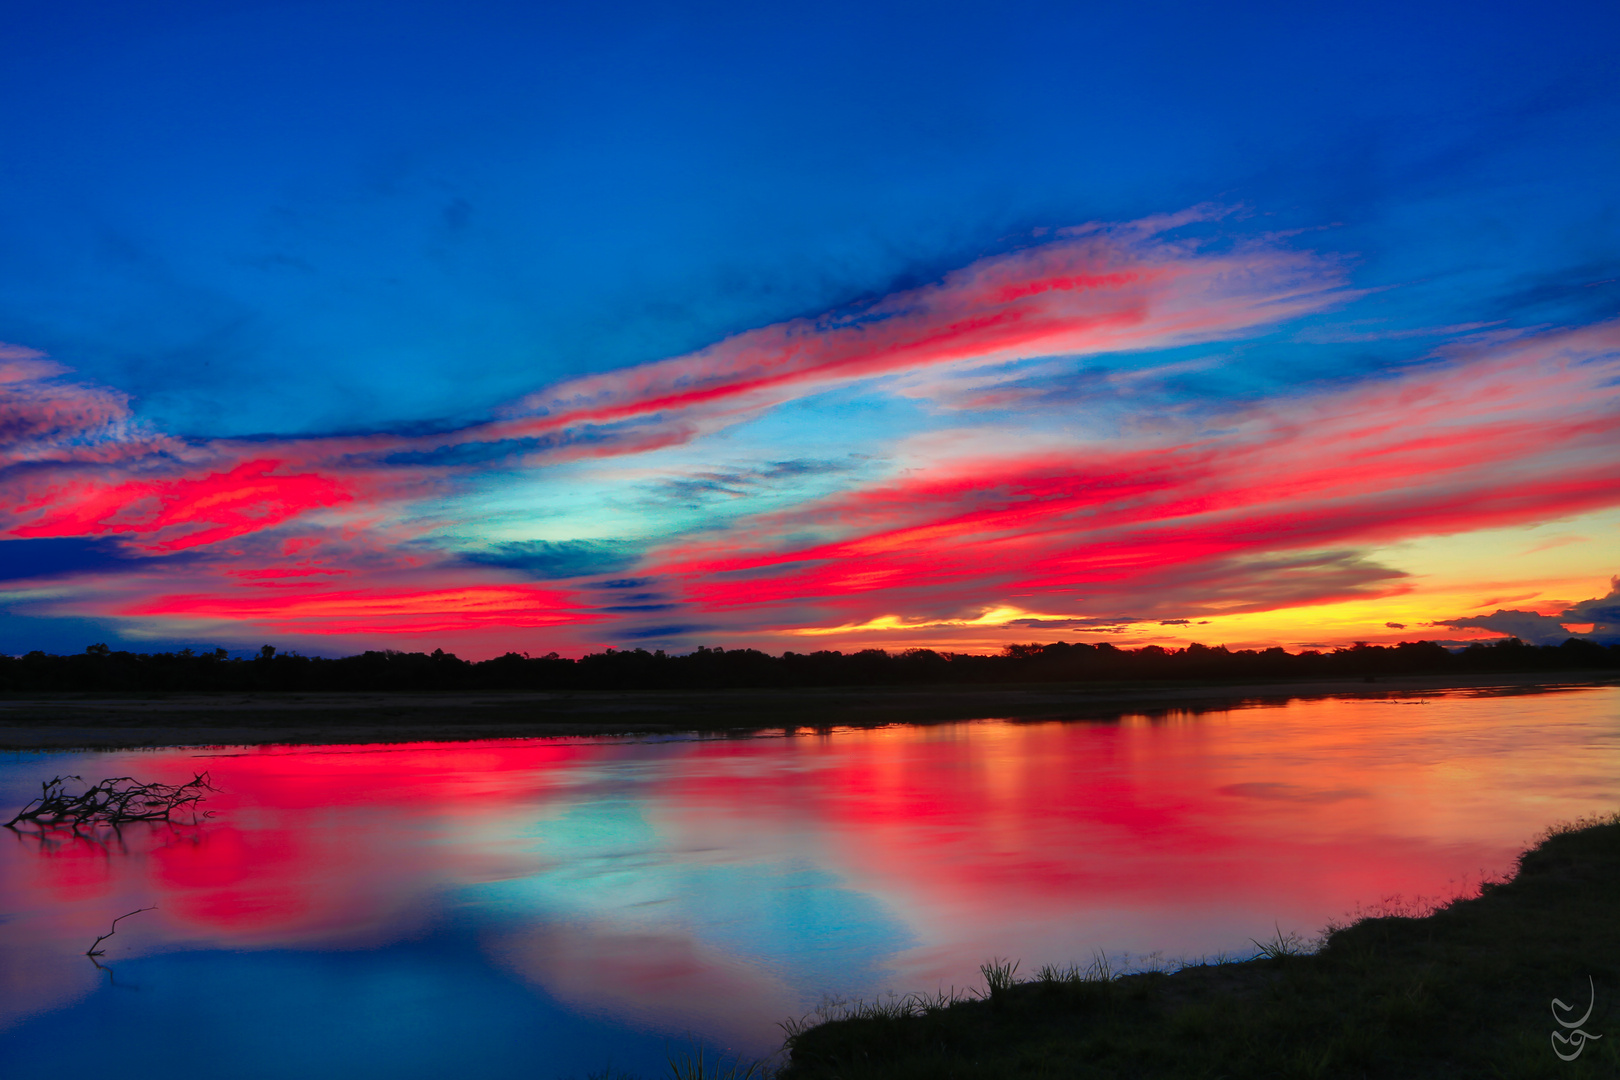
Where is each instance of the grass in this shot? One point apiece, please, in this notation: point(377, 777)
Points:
point(696, 1064)
point(1463, 990)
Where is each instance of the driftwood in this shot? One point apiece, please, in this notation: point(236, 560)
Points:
point(113, 802)
point(92, 952)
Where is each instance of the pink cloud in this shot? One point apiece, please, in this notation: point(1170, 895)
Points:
point(1102, 290)
point(46, 418)
point(172, 515)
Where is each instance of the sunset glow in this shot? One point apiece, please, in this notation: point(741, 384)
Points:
point(337, 376)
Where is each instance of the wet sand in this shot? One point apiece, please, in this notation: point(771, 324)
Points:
point(63, 721)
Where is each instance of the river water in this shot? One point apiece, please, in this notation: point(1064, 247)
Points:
point(555, 908)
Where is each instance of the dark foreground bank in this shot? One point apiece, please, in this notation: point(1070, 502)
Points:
point(97, 720)
point(1464, 992)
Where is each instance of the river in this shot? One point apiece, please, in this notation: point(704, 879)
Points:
point(563, 907)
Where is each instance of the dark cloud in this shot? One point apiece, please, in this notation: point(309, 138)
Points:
point(1196, 589)
point(469, 453)
point(1527, 626)
point(1396, 625)
point(693, 489)
point(1586, 292)
point(549, 559)
point(776, 470)
point(647, 633)
point(1108, 624)
point(53, 558)
point(1603, 612)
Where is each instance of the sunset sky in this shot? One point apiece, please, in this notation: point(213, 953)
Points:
point(545, 327)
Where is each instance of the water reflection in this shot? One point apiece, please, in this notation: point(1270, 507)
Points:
point(561, 905)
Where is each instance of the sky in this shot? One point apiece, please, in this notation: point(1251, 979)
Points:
point(539, 327)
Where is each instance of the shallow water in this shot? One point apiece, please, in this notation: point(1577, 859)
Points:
point(552, 908)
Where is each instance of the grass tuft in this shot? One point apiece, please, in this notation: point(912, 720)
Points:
point(695, 1063)
point(1000, 976)
point(1281, 946)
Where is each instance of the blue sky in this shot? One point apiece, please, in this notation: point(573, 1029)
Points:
point(279, 221)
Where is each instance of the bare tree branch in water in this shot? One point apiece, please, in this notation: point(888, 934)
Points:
point(92, 952)
point(113, 802)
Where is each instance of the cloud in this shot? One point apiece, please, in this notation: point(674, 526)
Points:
point(1602, 612)
point(1103, 624)
point(670, 632)
point(376, 611)
point(1587, 291)
point(1103, 289)
point(1329, 335)
point(1220, 509)
point(1091, 290)
point(1264, 511)
point(553, 559)
point(1527, 626)
point(22, 559)
point(172, 515)
point(45, 418)
point(697, 488)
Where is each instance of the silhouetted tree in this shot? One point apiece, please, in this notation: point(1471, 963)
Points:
point(99, 668)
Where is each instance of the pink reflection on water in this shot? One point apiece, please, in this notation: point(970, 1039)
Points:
point(1043, 841)
point(663, 977)
point(1188, 835)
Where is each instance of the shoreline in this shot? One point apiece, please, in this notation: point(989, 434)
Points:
point(98, 721)
point(1464, 990)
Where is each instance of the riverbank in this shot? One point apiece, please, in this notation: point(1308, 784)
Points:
point(1465, 991)
point(63, 721)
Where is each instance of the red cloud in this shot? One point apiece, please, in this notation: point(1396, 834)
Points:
point(378, 611)
point(177, 514)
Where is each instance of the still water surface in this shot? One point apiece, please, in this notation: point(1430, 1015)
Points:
point(551, 908)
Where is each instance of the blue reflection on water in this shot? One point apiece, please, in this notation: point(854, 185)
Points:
point(424, 1008)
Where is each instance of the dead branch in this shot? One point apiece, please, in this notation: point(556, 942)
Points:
point(113, 802)
point(92, 952)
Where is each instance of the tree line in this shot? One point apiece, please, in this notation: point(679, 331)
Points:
point(99, 668)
